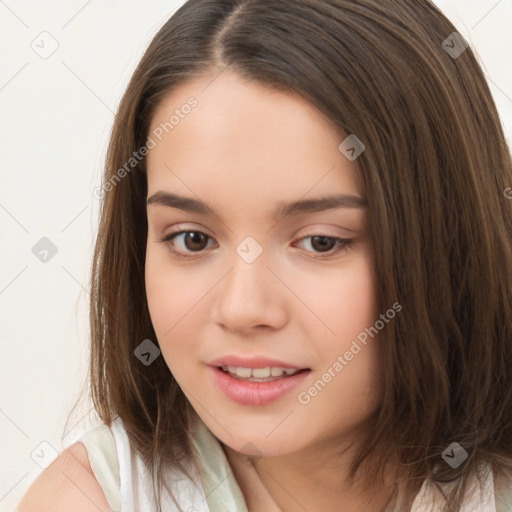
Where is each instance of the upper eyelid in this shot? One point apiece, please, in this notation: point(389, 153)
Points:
point(310, 233)
point(180, 230)
point(182, 226)
point(173, 234)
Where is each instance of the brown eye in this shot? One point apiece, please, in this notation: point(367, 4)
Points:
point(190, 242)
point(195, 240)
point(326, 245)
point(323, 243)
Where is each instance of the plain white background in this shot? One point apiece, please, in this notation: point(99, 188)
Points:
point(57, 111)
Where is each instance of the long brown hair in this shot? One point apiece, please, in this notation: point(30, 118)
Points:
point(434, 170)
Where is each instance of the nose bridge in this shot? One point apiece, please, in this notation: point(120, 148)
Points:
point(249, 270)
point(248, 297)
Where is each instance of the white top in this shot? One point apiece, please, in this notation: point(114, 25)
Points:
point(127, 483)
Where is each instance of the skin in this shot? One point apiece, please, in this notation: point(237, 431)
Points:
point(243, 149)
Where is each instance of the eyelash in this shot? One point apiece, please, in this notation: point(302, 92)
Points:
point(344, 244)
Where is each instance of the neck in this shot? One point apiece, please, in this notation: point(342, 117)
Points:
point(310, 479)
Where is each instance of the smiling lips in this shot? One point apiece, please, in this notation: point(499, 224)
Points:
point(258, 374)
point(257, 380)
point(254, 362)
point(247, 392)
point(255, 369)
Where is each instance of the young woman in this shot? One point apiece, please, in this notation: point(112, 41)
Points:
point(302, 284)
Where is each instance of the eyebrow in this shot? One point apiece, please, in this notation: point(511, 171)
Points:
point(282, 210)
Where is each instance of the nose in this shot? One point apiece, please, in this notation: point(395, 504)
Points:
point(250, 296)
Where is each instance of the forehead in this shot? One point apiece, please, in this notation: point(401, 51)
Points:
point(246, 139)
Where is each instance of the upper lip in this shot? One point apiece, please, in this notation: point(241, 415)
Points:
point(252, 362)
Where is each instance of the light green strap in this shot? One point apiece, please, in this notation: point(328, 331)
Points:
point(102, 453)
point(220, 487)
point(503, 497)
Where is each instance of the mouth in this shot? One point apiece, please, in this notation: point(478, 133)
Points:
point(267, 374)
point(247, 387)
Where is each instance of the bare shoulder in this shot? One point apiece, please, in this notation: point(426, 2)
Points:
point(67, 484)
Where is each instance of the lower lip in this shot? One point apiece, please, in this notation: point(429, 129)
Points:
point(255, 393)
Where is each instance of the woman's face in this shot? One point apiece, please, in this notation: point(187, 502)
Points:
point(258, 285)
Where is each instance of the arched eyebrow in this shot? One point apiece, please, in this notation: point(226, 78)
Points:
point(318, 204)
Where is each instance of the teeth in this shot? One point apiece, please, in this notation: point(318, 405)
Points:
point(259, 373)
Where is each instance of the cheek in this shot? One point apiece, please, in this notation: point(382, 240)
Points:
point(158, 291)
point(346, 304)
point(176, 307)
point(349, 398)
point(343, 301)
point(357, 303)
point(169, 318)
point(170, 291)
